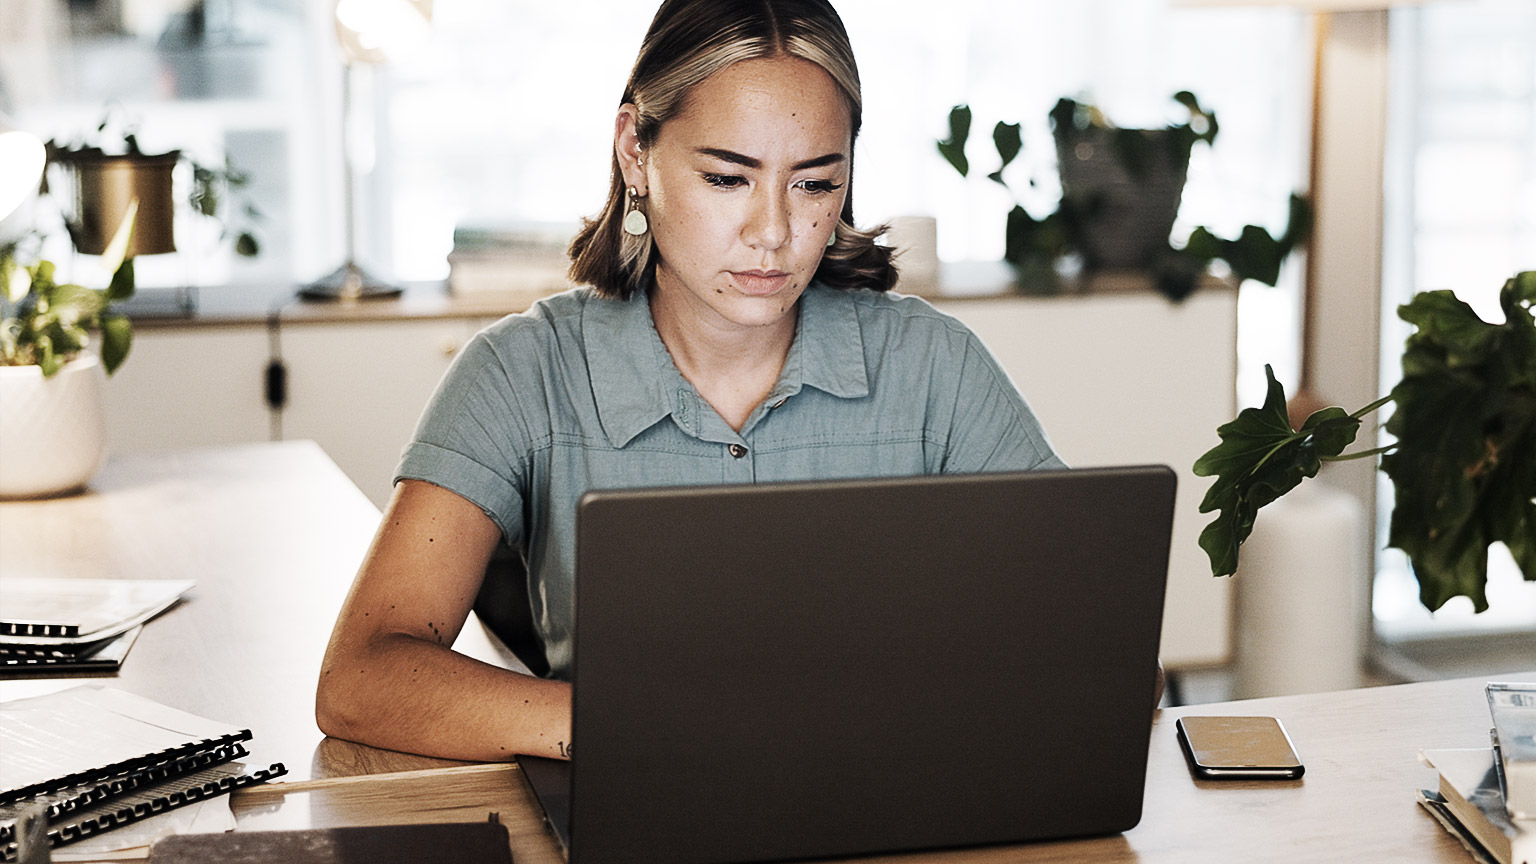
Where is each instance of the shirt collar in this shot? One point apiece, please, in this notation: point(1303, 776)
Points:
point(830, 344)
point(635, 383)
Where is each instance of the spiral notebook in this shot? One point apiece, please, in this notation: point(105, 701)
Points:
point(97, 758)
point(21, 661)
point(44, 612)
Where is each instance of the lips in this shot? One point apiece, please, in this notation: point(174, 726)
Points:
point(759, 282)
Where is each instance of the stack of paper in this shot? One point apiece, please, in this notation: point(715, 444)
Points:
point(76, 625)
point(97, 759)
point(1485, 793)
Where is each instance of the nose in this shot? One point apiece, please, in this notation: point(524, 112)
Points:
point(767, 223)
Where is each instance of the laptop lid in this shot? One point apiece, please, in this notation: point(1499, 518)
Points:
point(796, 670)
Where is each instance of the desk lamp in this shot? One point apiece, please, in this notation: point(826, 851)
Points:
point(370, 32)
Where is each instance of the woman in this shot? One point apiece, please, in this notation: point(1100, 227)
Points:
point(734, 329)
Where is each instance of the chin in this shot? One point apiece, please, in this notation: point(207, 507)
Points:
point(758, 311)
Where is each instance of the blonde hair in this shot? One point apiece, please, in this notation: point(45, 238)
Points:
point(688, 41)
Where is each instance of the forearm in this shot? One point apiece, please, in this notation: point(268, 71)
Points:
point(401, 692)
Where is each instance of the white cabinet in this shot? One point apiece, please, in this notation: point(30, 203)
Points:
point(355, 387)
point(1129, 378)
point(189, 387)
point(358, 388)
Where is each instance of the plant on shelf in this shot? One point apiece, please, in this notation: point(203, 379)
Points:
point(1121, 190)
point(47, 323)
point(112, 163)
point(1463, 465)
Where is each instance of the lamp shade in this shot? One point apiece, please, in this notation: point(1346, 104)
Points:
point(378, 31)
point(21, 165)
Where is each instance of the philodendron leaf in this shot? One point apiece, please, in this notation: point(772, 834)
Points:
point(122, 285)
point(116, 339)
point(953, 147)
point(1260, 458)
point(1009, 143)
point(1464, 470)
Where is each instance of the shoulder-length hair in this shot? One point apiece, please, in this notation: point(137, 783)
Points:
point(688, 41)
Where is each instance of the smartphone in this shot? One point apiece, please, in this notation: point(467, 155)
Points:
point(1238, 748)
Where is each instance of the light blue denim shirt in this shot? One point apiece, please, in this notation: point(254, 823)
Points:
point(578, 393)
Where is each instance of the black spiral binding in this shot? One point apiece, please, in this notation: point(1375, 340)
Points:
point(125, 767)
point(70, 833)
point(28, 628)
point(138, 779)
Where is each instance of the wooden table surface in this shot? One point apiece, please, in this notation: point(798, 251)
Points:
point(273, 534)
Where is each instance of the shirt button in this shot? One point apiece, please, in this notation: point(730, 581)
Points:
point(737, 450)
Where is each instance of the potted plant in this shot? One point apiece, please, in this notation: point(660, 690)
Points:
point(52, 430)
point(1121, 190)
point(114, 169)
point(1463, 465)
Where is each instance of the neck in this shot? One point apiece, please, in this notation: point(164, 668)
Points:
point(733, 367)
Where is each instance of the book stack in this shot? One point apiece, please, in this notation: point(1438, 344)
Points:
point(523, 259)
point(71, 626)
point(1487, 796)
point(93, 759)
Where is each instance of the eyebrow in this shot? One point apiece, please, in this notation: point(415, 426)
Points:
point(748, 162)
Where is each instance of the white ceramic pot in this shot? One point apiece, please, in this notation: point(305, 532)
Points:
point(52, 430)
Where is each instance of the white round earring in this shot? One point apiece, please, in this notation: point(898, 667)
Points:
point(635, 223)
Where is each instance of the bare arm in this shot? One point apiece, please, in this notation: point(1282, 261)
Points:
point(390, 679)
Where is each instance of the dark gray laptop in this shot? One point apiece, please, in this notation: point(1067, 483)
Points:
point(801, 670)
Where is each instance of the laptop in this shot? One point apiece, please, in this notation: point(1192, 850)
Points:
point(799, 670)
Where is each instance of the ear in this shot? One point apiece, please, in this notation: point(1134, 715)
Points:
point(626, 146)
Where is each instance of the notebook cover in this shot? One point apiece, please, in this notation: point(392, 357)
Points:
point(31, 661)
point(443, 843)
point(44, 611)
point(92, 734)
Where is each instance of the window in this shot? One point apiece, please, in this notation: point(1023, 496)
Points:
point(211, 79)
point(1460, 215)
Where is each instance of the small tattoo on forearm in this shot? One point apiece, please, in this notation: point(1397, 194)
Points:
point(565, 749)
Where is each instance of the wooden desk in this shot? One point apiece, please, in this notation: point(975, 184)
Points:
point(273, 533)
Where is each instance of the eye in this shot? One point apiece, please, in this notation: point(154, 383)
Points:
point(819, 187)
point(724, 181)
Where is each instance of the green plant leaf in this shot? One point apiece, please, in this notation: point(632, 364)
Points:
point(116, 340)
point(47, 361)
point(1255, 254)
point(123, 281)
point(1009, 142)
point(1260, 458)
point(953, 147)
point(1464, 470)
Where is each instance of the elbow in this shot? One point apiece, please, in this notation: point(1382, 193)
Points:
point(329, 706)
point(338, 711)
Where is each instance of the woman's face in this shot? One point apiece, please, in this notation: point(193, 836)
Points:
point(745, 185)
